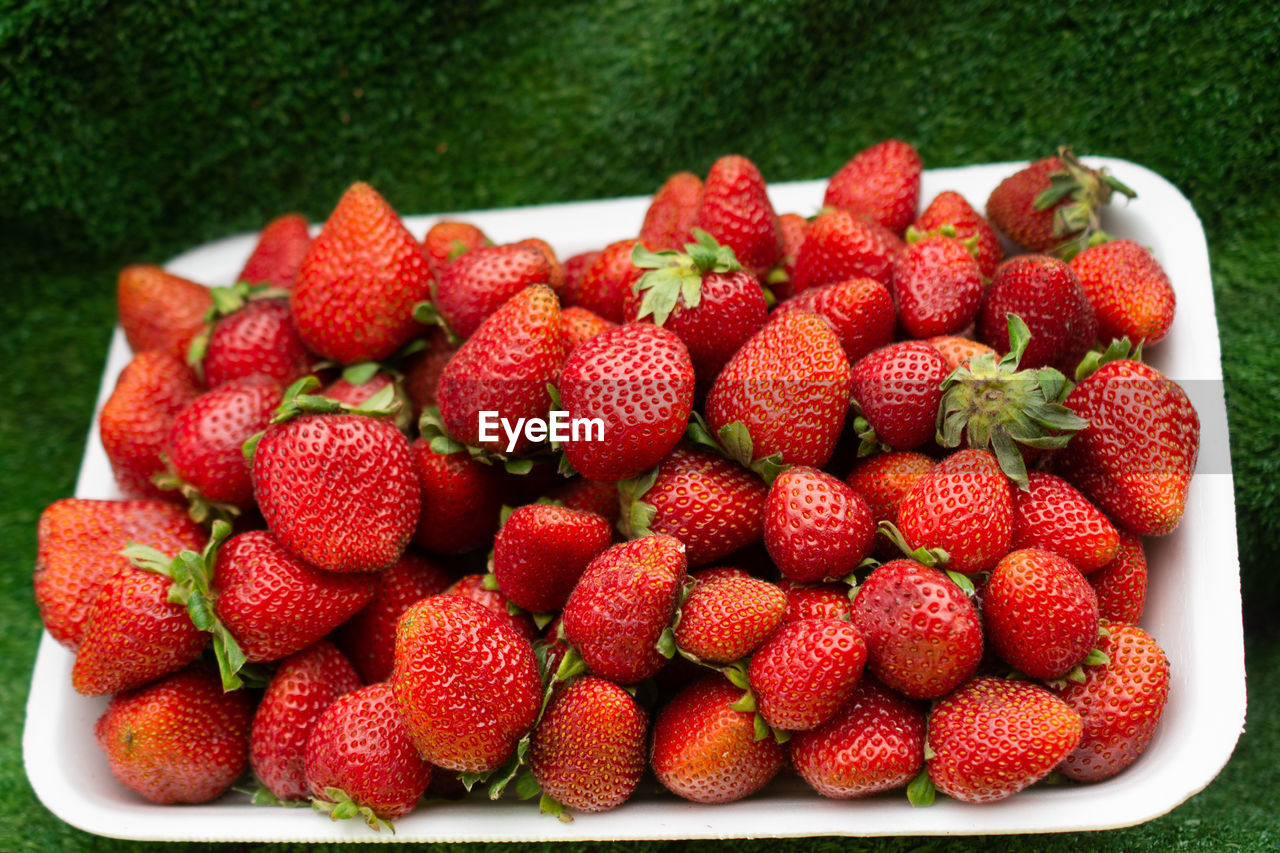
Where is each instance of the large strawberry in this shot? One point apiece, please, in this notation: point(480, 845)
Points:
point(839, 246)
point(897, 389)
point(1121, 584)
point(471, 288)
point(815, 525)
point(937, 285)
point(860, 310)
point(806, 671)
point(249, 337)
point(735, 209)
point(670, 214)
point(1049, 298)
point(1130, 292)
point(1050, 514)
point(542, 550)
point(725, 618)
point(461, 500)
point(881, 183)
point(963, 506)
point(278, 254)
point(360, 280)
point(952, 211)
point(159, 310)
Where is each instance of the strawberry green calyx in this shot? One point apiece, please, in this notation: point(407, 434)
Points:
point(636, 514)
point(675, 276)
point(1117, 350)
point(340, 806)
point(734, 443)
point(298, 401)
point(921, 792)
point(1089, 190)
point(991, 404)
point(431, 427)
point(934, 558)
point(199, 507)
point(427, 314)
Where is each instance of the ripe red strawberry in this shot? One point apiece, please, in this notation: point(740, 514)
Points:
point(474, 286)
point(874, 743)
point(589, 496)
point(952, 211)
point(706, 751)
point(1050, 514)
point(923, 634)
point(448, 240)
point(1047, 295)
point(1121, 703)
point(369, 637)
point(881, 183)
point(1121, 585)
point(587, 753)
point(606, 281)
point(1129, 290)
point(136, 419)
point(806, 671)
point(816, 526)
point(702, 499)
point(964, 506)
point(159, 310)
point(956, 350)
point(575, 267)
point(257, 338)
point(937, 285)
point(789, 388)
point(993, 737)
point(542, 550)
point(621, 605)
point(422, 369)
point(366, 385)
point(78, 549)
point(305, 684)
point(359, 281)
point(1136, 457)
point(781, 278)
point(461, 500)
point(735, 209)
point(724, 619)
point(638, 381)
point(580, 325)
point(883, 480)
point(504, 367)
point(360, 759)
point(465, 683)
point(555, 277)
point(179, 740)
point(815, 601)
point(278, 254)
point(1040, 613)
point(473, 587)
point(839, 246)
point(898, 388)
point(860, 310)
point(669, 217)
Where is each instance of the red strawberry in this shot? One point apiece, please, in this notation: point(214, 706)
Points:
point(621, 605)
point(951, 211)
point(448, 240)
point(839, 246)
point(923, 634)
point(360, 758)
point(180, 740)
point(781, 278)
point(735, 209)
point(806, 671)
point(465, 684)
point(637, 380)
point(816, 526)
point(278, 254)
point(1047, 295)
point(575, 268)
point(473, 587)
point(706, 751)
point(1121, 585)
point(258, 338)
point(789, 388)
point(587, 753)
point(461, 500)
point(1121, 703)
point(555, 276)
point(883, 480)
point(898, 388)
point(589, 496)
point(580, 325)
point(956, 350)
point(724, 619)
point(606, 282)
point(542, 550)
point(874, 743)
point(860, 310)
point(815, 601)
point(881, 183)
point(669, 217)
point(305, 684)
point(159, 310)
point(964, 506)
point(1050, 514)
point(993, 737)
point(365, 385)
point(1129, 290)
point(422, 369)
point(937, 285)
point(477, 284)
point(359, 281)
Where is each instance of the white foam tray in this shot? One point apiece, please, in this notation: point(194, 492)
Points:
point(1193, 610)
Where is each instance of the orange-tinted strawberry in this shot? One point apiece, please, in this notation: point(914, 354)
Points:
point(670, 214)
point(477, 284)
point(839, 246)
point(542, 550)
point(474, 588)
point(860, 310)
point(815, 601)
point(781, 278)
point(881, 183)
point(1048, 297)
point(952, 211)
point(359, 281)
point(258, 338)
point(724, 619)
point(581, 325)
point(806, 671)
point(448, 240)
point(605, 283)
point(1129, 290)
point(278, 254)
point(734, 208)
point(159, 310)
point(964, 506)
point(816, 526)
point(461, 500)
point(555, 274)
point(1121, 584)
point(898, 388)
point(179, 740)
point(937, 285)
point(1050, 514)
point(883, 480)
point(956, 350)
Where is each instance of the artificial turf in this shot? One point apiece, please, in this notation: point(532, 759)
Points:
point(131, 131)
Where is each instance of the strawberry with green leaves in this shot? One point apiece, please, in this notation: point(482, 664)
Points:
point(952, 211)
point(542, 550)
point(670, 214)
point(448, 240)
point(248, 333)
point(159, 310)
point(957, 350)
point(735, 209)
point(780, 278)
point(725, 618)
point(475, 285)
point(897, 389)
point(840, 245)
point(805, 672)
point(859, 310)
point(816, 526)
point(881, 183)
point(937, 285)
point(277, 256)
point(1129, 290)
point(963, 506)
point(1051, 515)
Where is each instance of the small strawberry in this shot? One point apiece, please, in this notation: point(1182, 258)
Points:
point(806, 671)
point(937, 285)
point(447, 240)
point(1129, 290)
point(1050, 514)
point(479, 588)
point(461, 500)
point(956, 350)
point(816, 526)
point(669, 217)
point(839, 246)
point(1121, 584)
point(1048, 297)
point(815, 601)
point(963, 506)
point(897, 389)
point(724, 619)
point(542, 550)
point(780, 278)
point(580, 325)
point(952, 211)
point(606, 282)
point(250, 337)
point(883, 480)
point(278, 254)
point(555, 275)
point(589, 496)
point(359, 383)
point(734, 208)
point(474, 286)
point(860, 310)
point(159, 310)
point(881, 183)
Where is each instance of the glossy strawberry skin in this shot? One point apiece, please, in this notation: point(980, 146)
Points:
point(1050, 514)
point(472, 587)
point(883, 480)
point(178, 740)
point(898, 388)
point(726, 618)
point(815, 526)
point(606, 282)
point(1121, 584)
point(305, 684)
point(448, 240)
point(937, 285)
point(475, 285)
point(881, 183)
point(839, 246)
point(465, 683)
point(949, 208)
point(669, 217)
point(735, 209)
point(1010, 207)
point(159, 310)
point(815, 601)
point(1049, 298)
point(461, 500)
point(278, 254)
point(924, 636)
point(705, 751)
point(963, 505)
point(1130, 292)
point(806, 671)
point(542, 550)
point(859, 310)
point(259, 339)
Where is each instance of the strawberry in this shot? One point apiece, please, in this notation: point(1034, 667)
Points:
point(461, 500)
point(476, 588)
point(734, 208)
point(897, 388)
point(702, 499)
point(256, 337)
point(815, 601)
point(465, 683)
point(874, 743)
point(447, 240)
point(305, 684)
point(504, 367)
point(815, 525)
point(471, 288)
point(179, 740)
point(883, 480)
point(705, 750)
point(780, 279)
point(359, 281)
point(952, 211)
point(806, 671)
point(78, 550)
point(422, 369)
point(923, 634)
point(1121, 585)
point(621, 605)
point(1048, 297)
point(587, 753)
point(360, 759)
point(1050, 514)
point(606, 281)
point(589, 496)
point(964, 506)
point(277, 256)
point(669, 217)
point(1129, 291)
point(993, 737)
point(860, 310)
point(360, 383)
point(575, 268)
point(956, 350)
point(1121, 702)
point(638, 381)
point(555, 273)
point(881, 183)
point(724, 619)
point(136, 419)
point(580, 325)
point(789, 388)
point(159, 310)
point(1041, 614)
point(937, 285)
point(839, 246)
point(542, 550)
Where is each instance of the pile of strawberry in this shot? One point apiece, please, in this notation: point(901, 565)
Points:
point(857, 497)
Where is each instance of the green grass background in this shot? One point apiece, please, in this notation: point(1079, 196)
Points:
point(131, 131)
